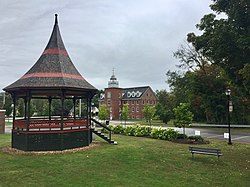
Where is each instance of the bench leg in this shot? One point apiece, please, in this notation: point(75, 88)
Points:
point(192, 155)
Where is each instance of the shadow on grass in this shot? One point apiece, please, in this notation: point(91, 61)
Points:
point(207, 160)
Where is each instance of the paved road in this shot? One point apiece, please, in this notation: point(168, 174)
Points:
point(243, 137)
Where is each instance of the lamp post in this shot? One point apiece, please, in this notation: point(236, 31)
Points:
point(229, 109)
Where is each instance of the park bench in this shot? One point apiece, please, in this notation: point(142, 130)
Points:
point(205, 151)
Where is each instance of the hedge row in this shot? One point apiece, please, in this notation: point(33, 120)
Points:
point(157, 133)
point(137, 130)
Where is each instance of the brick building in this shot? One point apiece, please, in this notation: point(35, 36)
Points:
point(136, 97)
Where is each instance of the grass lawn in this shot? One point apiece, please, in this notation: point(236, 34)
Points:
point(133, 162)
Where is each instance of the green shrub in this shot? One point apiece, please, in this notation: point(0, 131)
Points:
point(164, 134)
point(182, 136)
point(142, 131)
point(130, 130)
point(196, 138)
point(155, 133)
point(119, 129)
point(172, 134)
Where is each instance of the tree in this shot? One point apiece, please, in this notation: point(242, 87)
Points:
point(8, 104)
point(2, 100)
point(104, 112)
point(226, 40)
point(125, 112)
point(164, 107)
point(96, 98)
point(246, 76)
point(202, 85)
point(148, 112)
point(203, 91)
point(183, 116)
point(191, 59)
point(20, 107)
point(39, 106)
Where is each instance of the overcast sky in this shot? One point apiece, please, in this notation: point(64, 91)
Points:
point(135, 37)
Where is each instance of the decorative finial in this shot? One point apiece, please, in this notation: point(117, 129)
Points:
point(113, 70)
point(56, 19)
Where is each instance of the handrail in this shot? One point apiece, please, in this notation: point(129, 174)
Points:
point(104, 126)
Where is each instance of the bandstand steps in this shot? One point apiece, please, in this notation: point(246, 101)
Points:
point(101, 135)
point(108, 139)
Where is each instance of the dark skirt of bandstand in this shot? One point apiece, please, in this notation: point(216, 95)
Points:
point(51, 140)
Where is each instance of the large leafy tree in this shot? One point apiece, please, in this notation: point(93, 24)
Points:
point(166, 103)
point(205, 93)
point(226, 40)
point(202, 85)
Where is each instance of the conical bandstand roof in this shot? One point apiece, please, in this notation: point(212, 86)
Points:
point(53, 70)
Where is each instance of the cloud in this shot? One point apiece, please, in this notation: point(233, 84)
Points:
point(137, 38)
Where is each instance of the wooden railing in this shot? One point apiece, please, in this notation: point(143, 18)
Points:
point(53, 124)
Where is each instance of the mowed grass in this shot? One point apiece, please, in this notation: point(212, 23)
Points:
point(133, 162)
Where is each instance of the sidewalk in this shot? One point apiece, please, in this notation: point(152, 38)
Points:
point(218, 125)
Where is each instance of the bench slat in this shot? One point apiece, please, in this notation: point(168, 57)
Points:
point(202, 150)
point(207, 153)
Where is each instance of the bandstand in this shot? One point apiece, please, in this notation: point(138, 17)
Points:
point(52, 77)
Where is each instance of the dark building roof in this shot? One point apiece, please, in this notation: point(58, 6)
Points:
point(134, 92)
point(54, 69)
point(131, 93)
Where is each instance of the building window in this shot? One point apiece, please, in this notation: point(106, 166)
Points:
point(109, 95)
point(133, 109)
point(143, 102)
point(137, 102)
point(109, 102)
point(137, 109)
point(110, 109)
point(133, 102)
point(133, 117)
